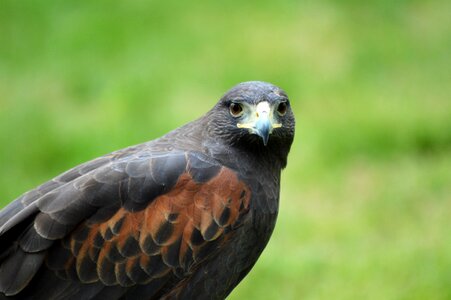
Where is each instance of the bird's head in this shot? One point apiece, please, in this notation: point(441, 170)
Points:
point(254, 113)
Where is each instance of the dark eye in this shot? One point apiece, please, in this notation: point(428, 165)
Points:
point(282, 108)
point(236, 109)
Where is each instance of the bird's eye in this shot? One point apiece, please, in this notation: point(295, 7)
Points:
point(236, 109)
point(282, 108)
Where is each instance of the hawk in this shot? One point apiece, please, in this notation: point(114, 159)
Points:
point(184, 216)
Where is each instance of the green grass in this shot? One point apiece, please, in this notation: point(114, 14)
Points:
point(366, 195)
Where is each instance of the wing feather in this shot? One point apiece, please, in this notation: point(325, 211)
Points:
point(127, 222)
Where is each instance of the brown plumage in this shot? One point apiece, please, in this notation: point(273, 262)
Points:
point(181, 217)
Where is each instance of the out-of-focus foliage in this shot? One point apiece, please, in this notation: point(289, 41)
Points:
point(366, 198)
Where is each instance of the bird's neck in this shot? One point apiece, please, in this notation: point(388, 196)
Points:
point(248, 152)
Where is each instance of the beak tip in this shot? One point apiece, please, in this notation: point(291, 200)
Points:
point(264, 133)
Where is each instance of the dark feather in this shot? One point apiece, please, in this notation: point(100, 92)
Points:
point(32, 242)
point(18, 270)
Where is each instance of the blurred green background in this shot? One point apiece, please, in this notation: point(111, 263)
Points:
point(366, 197)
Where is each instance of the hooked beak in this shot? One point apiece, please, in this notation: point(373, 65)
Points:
point(261, 122)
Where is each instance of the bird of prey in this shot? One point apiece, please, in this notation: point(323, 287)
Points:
point(184, 216)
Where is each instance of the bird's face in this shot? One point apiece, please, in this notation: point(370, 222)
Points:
point(258, 109)
point(260, 118)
